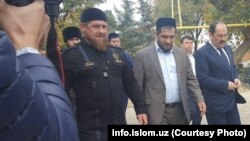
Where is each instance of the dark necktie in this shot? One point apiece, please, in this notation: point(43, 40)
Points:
point(223, 56)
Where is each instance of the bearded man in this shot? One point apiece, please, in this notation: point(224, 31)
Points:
point(99, 74)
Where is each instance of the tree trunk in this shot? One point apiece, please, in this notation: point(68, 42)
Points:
point(244, 47)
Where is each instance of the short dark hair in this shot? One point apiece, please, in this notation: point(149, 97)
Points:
point(113, 35)
point(213, 25)
point(186, 37)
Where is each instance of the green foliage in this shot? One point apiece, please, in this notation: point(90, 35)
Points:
point(69, 5)
point(127, 25)
point(145, 12)
point(135, 21)
point(126, 15)
point(162, 8)
point(191, 15)
point(70, 11)
point(231, 11)
point(111, 21)
point(146, 24)
point(135, 33)
point(203, 12)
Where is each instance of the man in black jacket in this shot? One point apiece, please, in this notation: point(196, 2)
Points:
point(71, 36)
point(114, 40)
point(99, 74)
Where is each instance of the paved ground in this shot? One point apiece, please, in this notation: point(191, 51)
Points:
point(243, 108)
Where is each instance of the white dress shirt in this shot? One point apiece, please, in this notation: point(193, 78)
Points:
point(168, 67)
point(192, 61)
point(27, 50)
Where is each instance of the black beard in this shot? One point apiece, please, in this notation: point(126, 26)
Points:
point(165, 50)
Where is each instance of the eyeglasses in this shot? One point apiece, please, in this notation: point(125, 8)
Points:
point(221, 35)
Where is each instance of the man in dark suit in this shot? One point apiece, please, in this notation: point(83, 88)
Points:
point(217, 77)
point(165, 77)
point(33, 103)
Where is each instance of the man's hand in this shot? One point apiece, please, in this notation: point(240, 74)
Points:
point(231, 85)
point(142, 118)
point(202, 108)
point(237, 83)
point(27, 26)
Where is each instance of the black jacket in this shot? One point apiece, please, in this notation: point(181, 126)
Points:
point(99, 79)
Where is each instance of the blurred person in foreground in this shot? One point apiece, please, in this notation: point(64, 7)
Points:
point(165, 77)
point(218, 77)
point(33, 103)
point(99, 74)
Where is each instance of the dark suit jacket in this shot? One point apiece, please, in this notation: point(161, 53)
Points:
point(33, 103)
point(213, 76)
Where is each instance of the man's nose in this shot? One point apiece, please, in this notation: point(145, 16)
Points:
point(102, 30)
point(168, 41)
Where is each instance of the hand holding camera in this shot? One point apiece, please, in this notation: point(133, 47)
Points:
point(27, 26)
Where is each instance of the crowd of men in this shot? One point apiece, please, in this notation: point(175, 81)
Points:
point(167, 85)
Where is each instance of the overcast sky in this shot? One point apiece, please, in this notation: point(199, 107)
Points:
point(109, 5)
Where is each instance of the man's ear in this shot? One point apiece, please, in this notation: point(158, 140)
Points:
point(210, 34)
point(82, 27)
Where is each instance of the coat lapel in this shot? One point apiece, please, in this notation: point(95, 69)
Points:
point(231, 60)
point(229, 56)
point(218, 57)
point(178, 63)
point(156, 62)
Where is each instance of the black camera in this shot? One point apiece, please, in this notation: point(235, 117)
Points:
point(51, 6)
